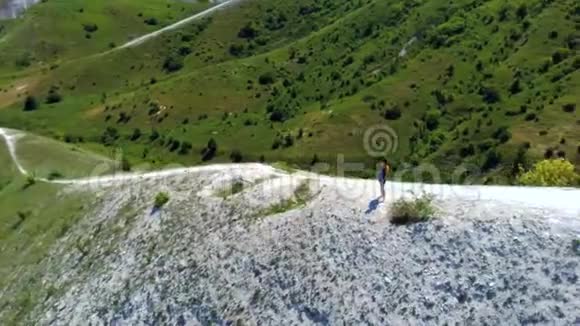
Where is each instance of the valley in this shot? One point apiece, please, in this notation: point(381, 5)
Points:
point(301, 82)
point(215, 162)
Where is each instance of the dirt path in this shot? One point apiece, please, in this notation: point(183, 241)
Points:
point(10, 138)
point(176, 25)
point(560, 201)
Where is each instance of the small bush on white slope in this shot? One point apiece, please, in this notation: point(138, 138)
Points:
point(414, 210)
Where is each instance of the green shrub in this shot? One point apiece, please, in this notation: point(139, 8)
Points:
point(236, 50)
point(288, 141)
point(278, 116)
point(90, 28)
point(302, 194)
point(173, 144)
point(502, 134)
point(466, 151)
point(520, 161)
point(21, 218)
point(125, 164)
point(314, 160)
point(492, 160)
point(415, 210)
point(576, 63)
point(109, 136)
point(54, 175)
point(266, 78)
point(25, 60)
point(172, 63)
point(30, 104)
point(432, 119)
point(237, 187)
point(184, 51)
point(522, 11)
point(443, 34)
point(136, 134)
point(443, 98)
point(185, 148)
point(560, 55)
point(154, 135)
point(551, 173)
point(569, 108)
point(53, 96)
point(29, 182)
point(393, 113)
point(531, 116)
point(248, 32)
point(490, 95)
point(151, 21)
point(516, 87)
point(236, 156)
point(161, 199)
point(276, 144)
point(210, 151)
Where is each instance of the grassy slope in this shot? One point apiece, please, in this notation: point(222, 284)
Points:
point(54, 31)
point(43, 156)
point(31, 220)
point(337, 69)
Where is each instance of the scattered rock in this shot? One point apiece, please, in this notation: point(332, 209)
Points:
point(206, 260)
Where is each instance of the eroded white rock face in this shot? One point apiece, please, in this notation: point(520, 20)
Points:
point(335, 259)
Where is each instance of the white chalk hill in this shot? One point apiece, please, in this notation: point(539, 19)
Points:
point(251, 243)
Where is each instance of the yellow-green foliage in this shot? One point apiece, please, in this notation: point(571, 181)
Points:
point(161, 199)
point(555, 173)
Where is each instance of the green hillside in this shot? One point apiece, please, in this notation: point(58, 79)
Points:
point(487, 84)
point(33, 217)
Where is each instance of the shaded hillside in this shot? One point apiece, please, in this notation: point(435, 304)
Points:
point(481, 83)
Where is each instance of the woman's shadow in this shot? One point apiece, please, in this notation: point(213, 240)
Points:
point(373, 205)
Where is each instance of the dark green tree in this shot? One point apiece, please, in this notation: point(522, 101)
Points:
point(30, 104)
point(209, 152)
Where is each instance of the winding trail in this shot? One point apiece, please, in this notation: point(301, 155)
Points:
point(141, 39)
point(10, 138)
point(563, 204)
point(176, 25)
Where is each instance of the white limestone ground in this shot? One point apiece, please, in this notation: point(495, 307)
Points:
point(495, 255)
point(208, 260)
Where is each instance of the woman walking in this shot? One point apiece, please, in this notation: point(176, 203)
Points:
point(384, 170)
